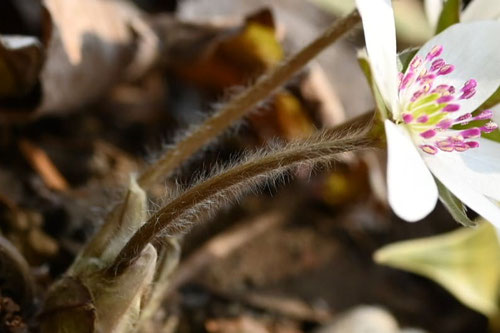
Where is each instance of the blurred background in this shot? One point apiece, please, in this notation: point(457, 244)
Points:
point(86, 105)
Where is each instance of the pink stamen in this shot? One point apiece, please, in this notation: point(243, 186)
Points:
point(445, 145)
point(428, 134)
point(419, 80)
point(469, 85)
point(465, 118)
point(472, 144)
point(407, 118)
point(461, 146)
point(445, 99)
point(407, 79)
point(451, 108)
point(435, 52)
point(471, 133)
point(427, 79)
point(489, 127)
point(437, 64)
point(446, 69)
point(415, 63)
point(427, 87)
point(423, 119)
point(429, 149)
point(445, 124)
point(417, 94)
point(441, 89)
point(468, 93)
point(486, 114)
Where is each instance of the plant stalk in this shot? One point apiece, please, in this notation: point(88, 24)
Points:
point(240, 104)
point(322, 147)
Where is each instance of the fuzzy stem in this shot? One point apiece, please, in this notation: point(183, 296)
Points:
point(242, 103)
point(321, 147)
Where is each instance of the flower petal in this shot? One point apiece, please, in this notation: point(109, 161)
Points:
point(481, 10)
point(478, 168)
point(473, 176)
point(473, 49)
point(412, 190)
point(433, 10)
point(380, 38)
point(496, 113)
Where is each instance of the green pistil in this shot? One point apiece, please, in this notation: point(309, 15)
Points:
point(433, 121)
point(427, 110)
point(423, 101)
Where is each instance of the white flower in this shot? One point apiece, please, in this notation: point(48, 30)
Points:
point(496, 113)
point(449, 77)
point(475, 11)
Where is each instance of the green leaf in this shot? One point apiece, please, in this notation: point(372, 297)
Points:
point(450, 14)
point(454, 206)
point(379, 101)
point(492, 101)
point(466, 262)
point(404, 58)
point(494, 135)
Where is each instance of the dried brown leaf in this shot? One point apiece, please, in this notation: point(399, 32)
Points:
point(91, 50)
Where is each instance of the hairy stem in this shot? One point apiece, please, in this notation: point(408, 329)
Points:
point(242, 103)
point(321, 147)
point(223, 118)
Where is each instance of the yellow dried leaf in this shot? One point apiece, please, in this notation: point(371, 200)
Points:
point(256, 46)
point(466, 262)
point(293, 119)
point(234, 59)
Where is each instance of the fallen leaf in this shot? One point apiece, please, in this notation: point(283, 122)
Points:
point(239, 54)
point(292, 117)
point(21, 59)
point(41, 162)
point(91, 51)
point(466, 262)
point(15, 275)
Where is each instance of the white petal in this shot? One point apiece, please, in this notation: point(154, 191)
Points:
point(412, 190)
point(473, 49)
point(433, 10)
point(477, 169)
point(496, 113)
point(380, 38)
point(481, 10)
point(464, 177)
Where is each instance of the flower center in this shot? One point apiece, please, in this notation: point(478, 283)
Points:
point(430, 110)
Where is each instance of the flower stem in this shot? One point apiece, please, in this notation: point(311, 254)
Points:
point(208, 195)
point(240, 104)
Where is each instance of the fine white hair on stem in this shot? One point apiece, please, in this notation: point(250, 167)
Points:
point(228, 183)
point(240, 104)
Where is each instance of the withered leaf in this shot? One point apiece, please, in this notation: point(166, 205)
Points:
point(14, 274)
point(21, 59)
point(69, 306)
